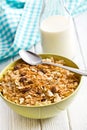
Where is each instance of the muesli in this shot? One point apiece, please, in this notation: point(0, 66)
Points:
point(38, 85)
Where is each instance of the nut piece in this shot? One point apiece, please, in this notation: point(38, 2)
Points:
point(21, 100)
point(57, 98)
point(49, 93)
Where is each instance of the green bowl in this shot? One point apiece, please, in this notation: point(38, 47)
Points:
point(46, 111)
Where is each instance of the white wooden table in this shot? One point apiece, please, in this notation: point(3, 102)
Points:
point(75, 117)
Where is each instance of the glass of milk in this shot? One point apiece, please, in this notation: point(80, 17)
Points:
point(56, 29)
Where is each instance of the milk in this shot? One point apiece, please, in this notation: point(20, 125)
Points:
point(57, 36)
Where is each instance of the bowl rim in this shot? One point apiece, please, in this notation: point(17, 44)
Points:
point(44, 105)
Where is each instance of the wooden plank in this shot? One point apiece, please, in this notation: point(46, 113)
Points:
point(4, 115)
point(81, 25)
point(4, 109)
point(9, 120)
point(60, 122)
point(21, 123)
point(66, 116)
point(77, 112)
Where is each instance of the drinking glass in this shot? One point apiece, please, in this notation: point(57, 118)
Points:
point(56, 29)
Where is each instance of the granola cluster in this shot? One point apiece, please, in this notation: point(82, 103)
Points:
point(37, 85)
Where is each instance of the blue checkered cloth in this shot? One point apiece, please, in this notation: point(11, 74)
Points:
point(18, 26)
point(19, 23)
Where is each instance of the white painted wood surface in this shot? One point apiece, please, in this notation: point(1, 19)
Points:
point(75, 117)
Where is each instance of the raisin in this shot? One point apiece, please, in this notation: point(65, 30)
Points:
point(22, 79)
point(43, 71)
point(22, 74)
point(25, 90)
point(30, 82)
point(44, 99)
point(16, 67)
